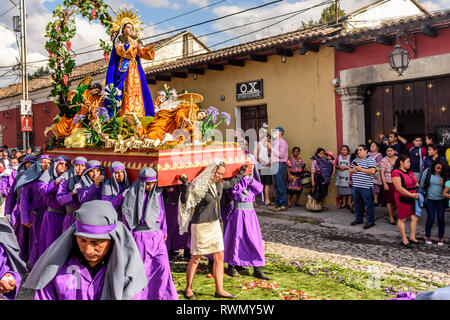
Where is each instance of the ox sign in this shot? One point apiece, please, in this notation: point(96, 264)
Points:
point(249, 90)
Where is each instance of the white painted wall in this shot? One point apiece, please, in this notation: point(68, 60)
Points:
point(390, 10)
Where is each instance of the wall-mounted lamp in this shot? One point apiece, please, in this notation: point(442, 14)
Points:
point(46, 108)
point(6, 115)
point(283, 59)
point(222, 98)
point(195, 76)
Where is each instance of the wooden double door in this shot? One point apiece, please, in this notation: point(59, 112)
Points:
point(253, 117)
point(414, 107)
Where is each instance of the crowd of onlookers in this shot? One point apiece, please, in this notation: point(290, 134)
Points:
point(407, 177)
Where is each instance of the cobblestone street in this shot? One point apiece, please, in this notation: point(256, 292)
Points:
point(351, 246)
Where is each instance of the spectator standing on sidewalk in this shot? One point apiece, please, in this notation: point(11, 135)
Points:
point(377, 156)
point(321, 172)
point(433, 154)
point(432, 183)
point(363, 169)
point(342, 165)
point(387, 164)
point(278, 157)
point(295, 166)
point(392, 140)
point(417, 154)
point(261, 153)
point(405, 195)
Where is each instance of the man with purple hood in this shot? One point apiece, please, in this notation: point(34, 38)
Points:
point(6, 181)
point(67, 193)
point(242, 237)
point(32, 204)
point(12, 207)
point(143, 213)
point(11, 266)
point(55, 213)
point(91, 183)
point(95, 259)
point(114, 187)
point(175, 241)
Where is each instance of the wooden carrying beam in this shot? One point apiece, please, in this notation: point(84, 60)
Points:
point(384, 40)
point(429, 31)
point(308, 47)
point(284, 52)
point(196, 71)
point(217, 67)
point(151, 80)
point(237, 63)
point(179, 75)
point(344, 47)
point(162, 78)
point(258, 57)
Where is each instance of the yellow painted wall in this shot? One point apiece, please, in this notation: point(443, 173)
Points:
point(299, 95)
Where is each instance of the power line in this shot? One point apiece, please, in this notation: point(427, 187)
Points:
point(200, 23)
point(7, 11)
point(186, 27)
point(215, 19)
point(294, 13)
point(185, 14)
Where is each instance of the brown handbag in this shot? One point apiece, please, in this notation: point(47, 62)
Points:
point(313, 205)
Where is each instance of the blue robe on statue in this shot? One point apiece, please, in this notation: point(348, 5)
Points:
point(116, 77)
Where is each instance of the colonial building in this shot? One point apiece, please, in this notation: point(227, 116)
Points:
point(372, 98)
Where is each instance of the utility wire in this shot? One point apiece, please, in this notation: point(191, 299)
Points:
point(215, 19)
point(184, 14)
point(7, 11)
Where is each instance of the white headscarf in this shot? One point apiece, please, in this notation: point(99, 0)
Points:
point(196, 192)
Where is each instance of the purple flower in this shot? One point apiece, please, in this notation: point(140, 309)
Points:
point(226, 117)
point(102, 112)
point(78, 118)
point(213, 113)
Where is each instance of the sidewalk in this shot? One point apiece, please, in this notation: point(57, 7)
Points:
point(341, 219)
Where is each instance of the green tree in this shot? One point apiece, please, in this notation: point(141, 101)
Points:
point(39, 73)
point(329, 14)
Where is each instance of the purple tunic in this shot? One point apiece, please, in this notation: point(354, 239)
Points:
point(54, 215)
point(242, 239)
point(5, 267)
point(117, 200)
point(73, 282)
point(153, 250)
point(6, 185)
point(66, 198)
point(12, 208)
point(90, 193)
point(175, 241)
point(32, 207)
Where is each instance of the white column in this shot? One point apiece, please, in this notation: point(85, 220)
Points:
point(353, 127)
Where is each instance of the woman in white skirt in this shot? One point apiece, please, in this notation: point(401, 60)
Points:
point(200, 206)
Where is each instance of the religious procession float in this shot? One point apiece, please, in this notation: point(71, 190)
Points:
point(118, 120)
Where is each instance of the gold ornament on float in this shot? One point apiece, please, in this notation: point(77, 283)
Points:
point(125, 16)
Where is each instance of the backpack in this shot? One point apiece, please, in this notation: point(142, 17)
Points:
point(426, 184)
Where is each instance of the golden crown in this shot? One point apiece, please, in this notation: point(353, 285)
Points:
point(125, 16)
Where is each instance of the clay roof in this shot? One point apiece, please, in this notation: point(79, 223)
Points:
point(439, 19)
point(258, 46)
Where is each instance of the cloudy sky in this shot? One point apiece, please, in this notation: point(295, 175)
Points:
point(154, 13)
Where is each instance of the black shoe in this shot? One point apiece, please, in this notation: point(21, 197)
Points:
point(226, 297)
point(392, 223)
point(407, 245)
point(258, 273)
point(188, 297)
point(354, 223)
point(232, 272)
point(242, 270)
point(368, 225)
point(416, 243)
